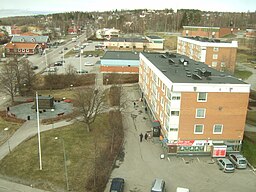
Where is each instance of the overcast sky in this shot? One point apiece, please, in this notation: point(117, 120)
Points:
point(105, 5)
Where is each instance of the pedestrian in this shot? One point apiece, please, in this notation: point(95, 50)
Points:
point(141, 137)
point(134, 104)
point(146, 136)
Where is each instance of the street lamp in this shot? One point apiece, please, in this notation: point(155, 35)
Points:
point(65, 163)
point(9, 147)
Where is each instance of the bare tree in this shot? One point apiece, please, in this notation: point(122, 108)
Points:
point(90, 104)
point(8, 80)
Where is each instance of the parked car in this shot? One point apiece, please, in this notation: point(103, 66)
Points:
point(50, 69)
point(77, 55)
point(65, 48)
point(60, 52)
point(96, 55)
point(88, 63)
point(81, 71)
point(117, 185)
point(181, 189)
point(238, 160)
point(158, 186)
point(34, 67)
point(226, 165)
point(85, 55)
point(90, 55)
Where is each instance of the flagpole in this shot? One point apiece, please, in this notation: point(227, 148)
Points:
point(38, 134)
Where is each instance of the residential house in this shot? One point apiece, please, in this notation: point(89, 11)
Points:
point(215, 53)
point(107, 33)
point(21, 48)
point(200, 110)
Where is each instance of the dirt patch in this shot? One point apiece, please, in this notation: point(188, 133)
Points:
point(117, 78)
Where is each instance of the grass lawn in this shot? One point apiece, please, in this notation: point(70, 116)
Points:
point(251, 117)
point(58, 93)
point(242, 74)
point(12, 127)
point(249, 148)
point(23, 162)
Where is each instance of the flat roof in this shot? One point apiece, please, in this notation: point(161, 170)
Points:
point(180, 69)
point(154, 37)
point(121, 55)
point(123, 39)
point(205, 39)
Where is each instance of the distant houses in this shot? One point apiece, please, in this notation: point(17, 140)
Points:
point(107, 33)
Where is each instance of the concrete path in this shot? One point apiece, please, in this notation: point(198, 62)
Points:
point(250, 128)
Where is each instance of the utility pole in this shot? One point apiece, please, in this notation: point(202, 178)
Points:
point(38, 134)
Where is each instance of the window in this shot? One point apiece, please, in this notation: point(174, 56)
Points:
point(163, 87)
point(215, 56)
point(217, 129)
point(27, 50)
point(168, 109)
point(162, 101)
point(223, 64)
point(198, 129)
point(214, 64)
point(176, 98)
point(200, 113)
point(175, 113)
point(216, 49)
point(202, 97)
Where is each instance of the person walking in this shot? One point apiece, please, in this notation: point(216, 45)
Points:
point(141, 137)
point(134, 104)
point(146, 136)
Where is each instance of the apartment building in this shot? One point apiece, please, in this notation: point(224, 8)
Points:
point(210, 32)
point(200, 109)
point(215, 53)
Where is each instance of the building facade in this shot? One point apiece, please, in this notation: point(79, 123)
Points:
point(209, 32)
point(147, 43)
point(218, 55)
point(199, 108)
point(21, 48)
point(120, 62)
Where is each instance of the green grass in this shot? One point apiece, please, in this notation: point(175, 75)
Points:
point(251, 117)
point(12, 127)
point(243, 74)
point(249, 148)
point(23, 162)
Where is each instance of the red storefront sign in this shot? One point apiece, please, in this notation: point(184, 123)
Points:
point(186, 142)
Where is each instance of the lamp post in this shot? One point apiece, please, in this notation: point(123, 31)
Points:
point(65, 163)
point(38, 133)
point(8, 142)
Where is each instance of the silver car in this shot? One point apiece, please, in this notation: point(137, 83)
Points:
point(225, 165)
point(238, 160)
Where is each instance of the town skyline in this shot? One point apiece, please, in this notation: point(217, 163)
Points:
point(56, 6)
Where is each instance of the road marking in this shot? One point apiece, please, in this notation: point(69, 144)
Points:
point(168, 159)
point(198, 159)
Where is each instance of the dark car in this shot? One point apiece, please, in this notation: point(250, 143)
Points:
point(117, 185)
point(34, 67)
point(65, 48)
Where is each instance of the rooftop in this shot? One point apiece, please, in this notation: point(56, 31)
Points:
point(154, 37)
point(123, 39)
point(205, 39)
point(180, 69)
point(121, 55)
point(30, 39)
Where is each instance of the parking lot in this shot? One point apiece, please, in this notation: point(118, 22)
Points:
point(142, 163)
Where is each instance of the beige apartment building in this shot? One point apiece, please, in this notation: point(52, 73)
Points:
point(200, 110)
point(215, 53)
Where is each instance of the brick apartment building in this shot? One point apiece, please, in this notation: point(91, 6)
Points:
point(210, 32)
point(200, 110)
point(215, 53)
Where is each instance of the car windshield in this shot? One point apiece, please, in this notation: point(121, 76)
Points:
point(242, 161)
point(229, 166)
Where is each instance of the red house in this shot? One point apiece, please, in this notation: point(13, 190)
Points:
point(21, 48)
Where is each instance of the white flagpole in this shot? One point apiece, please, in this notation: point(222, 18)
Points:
point(38, 133)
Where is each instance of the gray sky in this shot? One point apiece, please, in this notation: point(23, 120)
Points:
point(104, 5)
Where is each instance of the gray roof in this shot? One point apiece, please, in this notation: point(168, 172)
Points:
point(121, 55)
point(123, 39)
point(30, 39)
point(173, 67)
point(205, 39)
point(154, 37)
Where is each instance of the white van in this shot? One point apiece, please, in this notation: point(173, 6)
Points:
point(181, 189)
point(158, 186)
